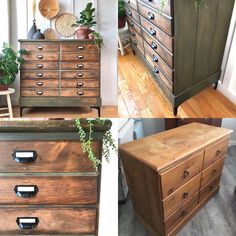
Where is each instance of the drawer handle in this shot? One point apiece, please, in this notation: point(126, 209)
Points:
point(153, 45)
point(185, 195)
point(133, 34)
point(40, 47)
point(150, 16)
point(39, 84)
point(80, 84)
point(80, 57)
point(155, 58)
point(40, 66)
point(152, 31)
point(135, 44)
point(40, 56)
point(149, 0)
point(156, 70)
point(186, 174)
point(22, 156)
point(80, 74)
point(130, 13)
point(40, 93)
point(212, 187)
point(170, 191)
point(131, 23)
point(214, 172)
point(127, 1)
point(80, 66)
point(218, 152)
point(40, 75)
point(80, 47)
point(26, 191)
point(80, 93)
point(27, 222)
point(183, 213)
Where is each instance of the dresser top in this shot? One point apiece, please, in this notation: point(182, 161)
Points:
point(164, 150)
point(56, 40)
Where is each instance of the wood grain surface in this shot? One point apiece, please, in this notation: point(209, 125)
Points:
point(79, 47)
point(39, 83)
point(41, 74)
point(40, 46)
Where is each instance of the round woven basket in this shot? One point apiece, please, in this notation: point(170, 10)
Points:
point(49, 8)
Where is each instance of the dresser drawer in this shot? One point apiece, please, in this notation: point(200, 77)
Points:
point(135, 36)
point(182, 195)
point(161, 21)
point(211, 187)
point(39, 74)
point(132, 13)
point(80, 75)
point(172, 179)
point(181, 214)
point(40, 65)
point(133, 25)
point(41, 56)
point(132, 3)
point(56, 190)
point(51, 221)
point(138, 45)
point(80, 65)
point(79, 48)
point(76, 83)
point(159, 49)
point(39, 83)
point(39, 92)
point(79, 93)
point(40, 47)
point(60, 156)
point(158, 34)
point(212, 171)
point(80, 57)
point(215, 152)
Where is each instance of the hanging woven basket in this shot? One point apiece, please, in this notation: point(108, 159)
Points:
point(49, 8)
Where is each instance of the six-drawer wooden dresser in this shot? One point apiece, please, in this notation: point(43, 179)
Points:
point(171, 175)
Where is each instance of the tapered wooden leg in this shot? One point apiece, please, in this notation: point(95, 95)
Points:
point(99, 110)
point(21, 111)
point(134, 52)
point(216, 85)
point(175, 111)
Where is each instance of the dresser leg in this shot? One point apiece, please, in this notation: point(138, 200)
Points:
point(99, 110)
point(134, 52)
point(175, 111)
point(21, 111)
point(216, 85)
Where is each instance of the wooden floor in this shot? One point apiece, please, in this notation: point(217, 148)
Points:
point(140, 97)
point(217, 217)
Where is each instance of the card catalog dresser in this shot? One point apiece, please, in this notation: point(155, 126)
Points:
point(171, 175)
point(182, 47)
point(60, 73)
point(47, 186)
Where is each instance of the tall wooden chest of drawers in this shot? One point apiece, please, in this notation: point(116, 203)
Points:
point(60, 73)
point(182, 47)
point(48, 187)
point(171, 175)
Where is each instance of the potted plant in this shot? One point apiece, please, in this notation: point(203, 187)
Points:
point(121, 14)
point(9, 66)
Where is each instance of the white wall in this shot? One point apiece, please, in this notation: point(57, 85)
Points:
point(153, 126)
point(230, 124)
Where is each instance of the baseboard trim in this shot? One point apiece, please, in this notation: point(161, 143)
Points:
point(226, 93)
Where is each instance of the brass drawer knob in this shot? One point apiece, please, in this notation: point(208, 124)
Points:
point(40, 56)
point(80, 57)
point(39, 66)
point(27, 222)
point(185, 195)
point(40, 84)
point(40, 93)
point(80, 93)
point(186, 174)
point(39, 75)
point(80, 84)
point(80, 66)
point(80, 74)
point(80, 47)
point(40, 47)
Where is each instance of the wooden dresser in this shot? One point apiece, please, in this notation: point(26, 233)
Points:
point(182, 47)
point(48, 187)
point(60, 73)
point(171, 175)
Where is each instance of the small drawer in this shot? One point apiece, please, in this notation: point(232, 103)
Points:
point(132, 13)
point(212, 171)
point(161, 21)
point(33, 220)
point(80, 65)
point(182, 195)
point(40, 65)
point(181, 214)
point(132, 4)
point(39, 92)
point(30, 156)
point(39, 83)
point(136, 37)
point(159, 49)
point(133, 25)
point(79, 48)
point(80, 75)
point(138, 45)
point(40, 47)
point(44, 56)
point(211, 187)
point(172, 179)
point(158, 34)
point(79, 93)
point(215, 152)
point(39, 75)
point(55, 190)
point(80, 57)
point(76, 83)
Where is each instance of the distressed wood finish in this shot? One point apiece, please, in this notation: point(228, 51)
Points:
point(40, 56)
point(40, 83)
point(39, 92)
point(78, 83)
point(41, 75)
point(79, 93)
point(80, 65)
point(80, 57)
point(166, 175)
point(132, 13)
point(39, 65)
point(81, 74)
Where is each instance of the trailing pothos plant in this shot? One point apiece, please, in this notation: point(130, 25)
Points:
point(86, 138)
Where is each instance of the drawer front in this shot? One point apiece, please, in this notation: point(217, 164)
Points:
point(80, 65)
point(133, 25)
point(39, 83)
point(40, 47)
point(79, 93)
point(39, 74)
point(132, 3)
point(76, 83)
point(53, 160)
point(215, 152)
point(159, 49)
point(158, 34)
point(80, 75)
point(43, 56)
point(79, 48)
point(64, 190)
point(39, 92)
point(156, 18)
point(51, 221)
point(138, 45)
point(40, 65)
point(80, 57)
point(132, 13)
point(182, 195)
point(212, 171)
point(211, 187)
point(181, 214)
point(172, 179)
point(136, 37)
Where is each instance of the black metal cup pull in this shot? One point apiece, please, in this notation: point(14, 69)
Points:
point(155, 58)
point(80, 93)
point(40, 93)
point(150, 16)
point(153, 45)
point(40, 84)
point(80, 66)
point(130, 13)
point(40, 47)
point(80, 47)
point(40, 66)
point(27, 222)
point(186, 174)
point(40, 56)
point(39, 75)
point(80, 74)
point(80, 57)
point(80, 84)
point(156, 70)
point(26, 191)
point(185, 195)
point(152, 31)
point(22, 156)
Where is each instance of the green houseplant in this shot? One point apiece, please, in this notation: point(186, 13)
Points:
point(121, 14)
point(9, 65)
